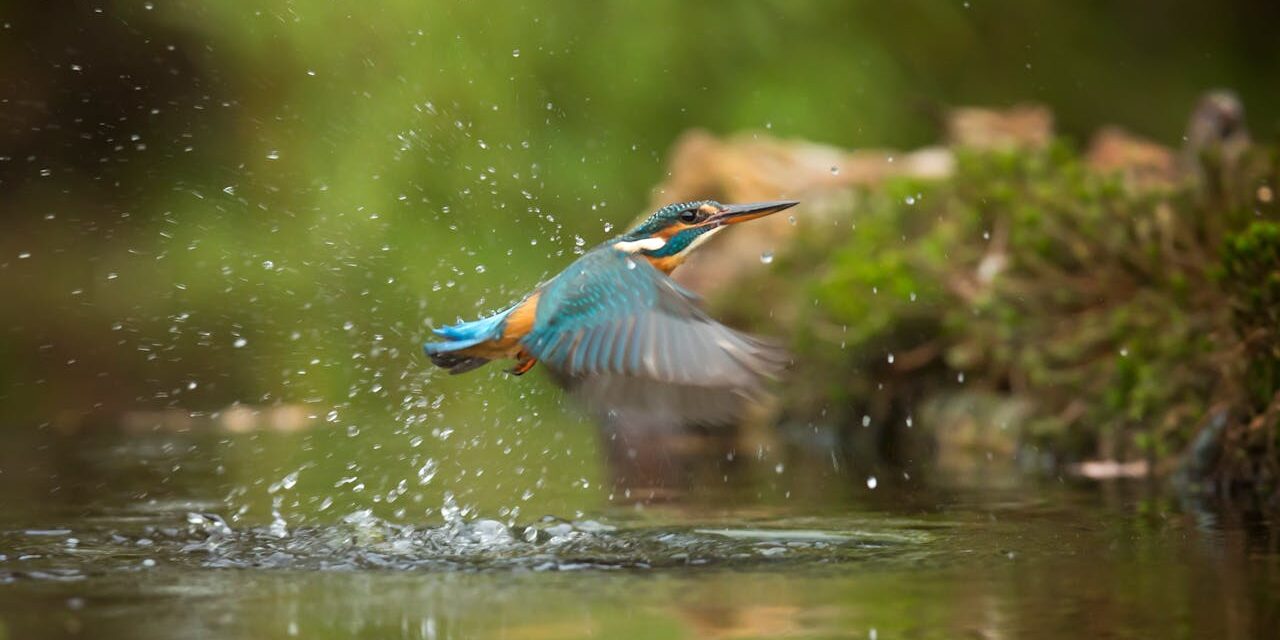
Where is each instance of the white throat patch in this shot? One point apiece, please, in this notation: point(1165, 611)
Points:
point(636, 246)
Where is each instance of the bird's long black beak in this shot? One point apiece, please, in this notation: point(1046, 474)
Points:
point(735, 213)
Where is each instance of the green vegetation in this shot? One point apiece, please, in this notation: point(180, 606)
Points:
point(310, 175)
point(1251, 279)
point(270, 203)
point(1117, 315)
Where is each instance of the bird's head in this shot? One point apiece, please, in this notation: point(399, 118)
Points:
point(674, 231)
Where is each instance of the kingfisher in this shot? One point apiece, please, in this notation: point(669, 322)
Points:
point(614, 326)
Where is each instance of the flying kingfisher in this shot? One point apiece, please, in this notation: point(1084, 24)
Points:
point(615, 328)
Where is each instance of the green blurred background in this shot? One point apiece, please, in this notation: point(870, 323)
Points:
point(272, 202)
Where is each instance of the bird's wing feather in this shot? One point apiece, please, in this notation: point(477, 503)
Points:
point(624, 334)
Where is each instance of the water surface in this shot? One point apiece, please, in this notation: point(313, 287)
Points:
point(138, 536)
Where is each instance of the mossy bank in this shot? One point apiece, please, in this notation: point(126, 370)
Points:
point(1030, 305)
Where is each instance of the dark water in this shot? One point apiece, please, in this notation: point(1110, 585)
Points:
point(142, 536)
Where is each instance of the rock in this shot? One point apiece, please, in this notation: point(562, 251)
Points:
point(1110, 469)
point(753, 167)
point(1215, 143)
point(1216, 125)
point(1142, 164)
point(1025, 126)
point(1220, 157)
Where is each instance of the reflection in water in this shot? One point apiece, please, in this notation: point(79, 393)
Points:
point(649, 465)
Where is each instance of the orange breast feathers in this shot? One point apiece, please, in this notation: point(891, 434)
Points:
point(520, 322)
point(518, 325)
point(668, 263)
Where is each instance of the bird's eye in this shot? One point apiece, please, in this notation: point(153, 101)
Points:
point(689, 215)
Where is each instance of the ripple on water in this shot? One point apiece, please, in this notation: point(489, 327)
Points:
point(362, 541)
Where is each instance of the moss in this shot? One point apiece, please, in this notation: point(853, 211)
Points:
point(1114, 314)
point(1250, 273)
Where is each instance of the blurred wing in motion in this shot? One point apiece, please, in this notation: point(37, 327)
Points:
point(630, 341)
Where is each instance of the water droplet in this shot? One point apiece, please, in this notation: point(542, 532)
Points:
point(910, 200)
point(835, 171)
point(866, 421)
point(631, 264)
point(960, 377)
point(766, 257)
point(286, 483)
point(515, 53)
point(891, 358)
point(792, 220)
point(428, 471)
point(229, 190)
point(779, 468)
point(148, 6)
point(1124, 352)
point(479, 268)
point(872, 482)
point(273, 154)
point(24, 255)
point(240, 342)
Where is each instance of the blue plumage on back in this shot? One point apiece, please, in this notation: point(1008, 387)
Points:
point(630, 342)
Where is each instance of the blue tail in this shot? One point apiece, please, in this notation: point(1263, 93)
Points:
point(461, 336)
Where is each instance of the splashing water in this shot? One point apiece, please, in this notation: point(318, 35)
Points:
point(362, 540)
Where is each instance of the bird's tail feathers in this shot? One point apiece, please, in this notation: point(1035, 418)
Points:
point(476, 330)
point(463, 335)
